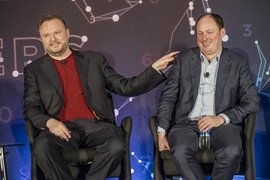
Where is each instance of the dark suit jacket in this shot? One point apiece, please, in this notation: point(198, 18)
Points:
point(43, 97)
point(235, 96)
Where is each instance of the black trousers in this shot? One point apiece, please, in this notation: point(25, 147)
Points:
point(226, 142)
point(105, 138)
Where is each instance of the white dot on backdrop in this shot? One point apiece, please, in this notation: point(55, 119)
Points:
point(116, 112)
point(88, 9)
point(225, 38)
point(15, 73)
point(192, 23)
point(84, 38)
point(115, 18)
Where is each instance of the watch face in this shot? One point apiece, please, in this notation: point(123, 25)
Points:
point(131, 35)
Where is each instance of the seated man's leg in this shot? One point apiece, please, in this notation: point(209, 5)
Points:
point(48, 151)
point(108, 141)
point(227, 144)
point(183, 141)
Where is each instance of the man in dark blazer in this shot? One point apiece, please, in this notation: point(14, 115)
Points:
point(66, 99)
point(208, 88)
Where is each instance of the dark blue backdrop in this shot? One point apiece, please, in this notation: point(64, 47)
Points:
point(131, 35)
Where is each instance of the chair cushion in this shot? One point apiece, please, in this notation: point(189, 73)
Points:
point(79, 162)
point(205, 156)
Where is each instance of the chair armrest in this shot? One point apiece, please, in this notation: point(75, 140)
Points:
point(153, 129)
point(30, 130)
point(157, 159)
point(250, 127)
point(249, 134)
point(126, 125)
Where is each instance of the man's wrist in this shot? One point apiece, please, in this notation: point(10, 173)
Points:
point(223, 119)
point(227, 119)
point(160, 129)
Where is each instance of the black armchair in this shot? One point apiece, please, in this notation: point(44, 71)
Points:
point(164, 167)
point(80, 160)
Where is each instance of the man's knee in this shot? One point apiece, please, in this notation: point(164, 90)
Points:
point(182, 153)
point(43, 145)
point(117, 146)
point(230, 154)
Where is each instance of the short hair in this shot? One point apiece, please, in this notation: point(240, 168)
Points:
point(48, 17)
point(217, 18)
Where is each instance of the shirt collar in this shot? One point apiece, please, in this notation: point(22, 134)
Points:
point(217, 57)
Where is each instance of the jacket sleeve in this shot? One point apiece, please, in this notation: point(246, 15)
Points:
point(248, 98)
point(133, 86)
point(169, 97)
point(33, 107)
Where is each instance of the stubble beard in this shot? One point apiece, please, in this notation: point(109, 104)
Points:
point(59, 52)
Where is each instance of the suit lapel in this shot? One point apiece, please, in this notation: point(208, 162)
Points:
point(83, 69)
point(223, 71)
point(195, 72)
point(49, 69)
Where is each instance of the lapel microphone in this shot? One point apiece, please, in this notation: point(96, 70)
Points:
point(206, 74)
point(63, 62)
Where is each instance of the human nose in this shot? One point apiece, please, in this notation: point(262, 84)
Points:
point(52, 38)
point(204, 37)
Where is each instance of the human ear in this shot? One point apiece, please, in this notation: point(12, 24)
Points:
point(223, 32)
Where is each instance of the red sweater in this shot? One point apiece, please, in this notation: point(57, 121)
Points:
point(75, 105)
